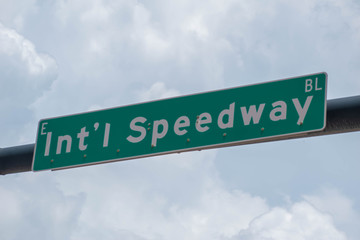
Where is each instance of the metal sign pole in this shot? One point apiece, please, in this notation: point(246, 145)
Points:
point(343, 115)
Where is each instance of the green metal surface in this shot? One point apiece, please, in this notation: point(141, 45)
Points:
point(205, 120)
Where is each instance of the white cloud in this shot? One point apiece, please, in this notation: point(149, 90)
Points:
point(97, 12)
point(300, 222)
point(116, 53)
point(13, 13)
point(11, 212)
point(25, 75)
point(19, 55)
point(220, 214)
point(196, 25)
point(179, 196)
point(34, 208)
point(340, 207)
point(157, 91)
point(201, 45)
point(171, 197)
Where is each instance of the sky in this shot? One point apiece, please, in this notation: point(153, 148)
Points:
point(64, 57)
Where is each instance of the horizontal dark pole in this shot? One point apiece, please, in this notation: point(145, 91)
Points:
point(16, 159)
point(343, 115)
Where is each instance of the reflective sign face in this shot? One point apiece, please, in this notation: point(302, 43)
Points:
point(205, 120)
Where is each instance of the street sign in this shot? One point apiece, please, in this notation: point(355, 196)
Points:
point(194, 122)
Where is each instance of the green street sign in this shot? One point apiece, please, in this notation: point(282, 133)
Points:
point(194, 122)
